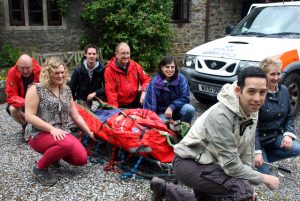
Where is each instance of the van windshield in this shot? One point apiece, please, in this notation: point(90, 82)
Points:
point(273, 21)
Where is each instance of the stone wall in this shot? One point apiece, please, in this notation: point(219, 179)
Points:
point(67, 37)
point(46, 39)
point(192, 34)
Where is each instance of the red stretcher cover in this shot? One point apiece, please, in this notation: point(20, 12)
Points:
point(134, 130)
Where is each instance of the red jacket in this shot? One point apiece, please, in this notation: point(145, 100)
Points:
point(14, 90)
point(122, 88)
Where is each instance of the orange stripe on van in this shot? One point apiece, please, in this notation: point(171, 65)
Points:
point(289, 57)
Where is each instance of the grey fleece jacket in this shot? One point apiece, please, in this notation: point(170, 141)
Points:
point(223, 135)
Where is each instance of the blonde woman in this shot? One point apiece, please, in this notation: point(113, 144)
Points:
point(49, 106)
point(275, 133)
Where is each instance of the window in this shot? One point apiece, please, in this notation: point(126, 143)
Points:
point(34, 13)
point(181, 10)
point(54, 17)
point(16, 13)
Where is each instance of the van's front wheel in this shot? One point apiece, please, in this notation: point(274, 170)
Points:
point(292, 82)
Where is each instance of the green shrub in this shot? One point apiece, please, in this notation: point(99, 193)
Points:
point(9, 55)
point(143, 24)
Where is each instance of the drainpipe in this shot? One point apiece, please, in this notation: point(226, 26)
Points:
point(207, 7)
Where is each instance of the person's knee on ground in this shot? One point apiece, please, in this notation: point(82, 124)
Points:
point(17, 114)
point(187, 113)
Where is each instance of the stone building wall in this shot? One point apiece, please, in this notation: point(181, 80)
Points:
point(67, 37)
point(46, 39)
point(192, 34)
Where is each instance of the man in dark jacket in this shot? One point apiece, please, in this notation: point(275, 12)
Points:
point(87, 81)
point(26, 71)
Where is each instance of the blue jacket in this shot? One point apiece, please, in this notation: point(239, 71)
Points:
point(275, 117)
point(162, 94)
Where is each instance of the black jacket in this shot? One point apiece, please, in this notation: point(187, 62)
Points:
point(81, 84)
point(275, 117)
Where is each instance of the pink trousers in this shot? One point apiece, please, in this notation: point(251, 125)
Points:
point(69, 149)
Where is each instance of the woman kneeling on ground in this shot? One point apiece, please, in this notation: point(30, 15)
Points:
point(275, 133)
point(48, 107)
point(168, 93)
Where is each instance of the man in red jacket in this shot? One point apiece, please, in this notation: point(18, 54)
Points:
point(124, 78)
point(20, 76)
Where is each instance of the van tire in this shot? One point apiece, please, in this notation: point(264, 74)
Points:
point(292, 82)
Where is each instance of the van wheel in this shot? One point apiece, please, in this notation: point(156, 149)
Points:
point(292, 82)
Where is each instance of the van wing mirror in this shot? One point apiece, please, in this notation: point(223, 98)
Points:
point(229, 29)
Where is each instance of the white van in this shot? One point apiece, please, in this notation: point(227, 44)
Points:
point(268, 30)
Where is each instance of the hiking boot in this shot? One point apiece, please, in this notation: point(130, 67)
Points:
point(56, 164)
point(43, 176)
point(25, 132)
point(158, 187)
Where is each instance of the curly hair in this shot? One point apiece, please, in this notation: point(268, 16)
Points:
point(48, 70)
point(269, 61)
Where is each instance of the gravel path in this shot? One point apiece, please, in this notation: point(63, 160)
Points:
point(90, 182)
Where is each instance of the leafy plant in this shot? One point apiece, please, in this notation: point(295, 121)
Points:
point(3, 74)
point(143, 24)
point(9, 55)
point(63, 6)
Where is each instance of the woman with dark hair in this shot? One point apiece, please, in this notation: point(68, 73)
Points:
point(168, 93)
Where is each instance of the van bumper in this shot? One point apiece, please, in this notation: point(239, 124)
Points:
point(204, 85)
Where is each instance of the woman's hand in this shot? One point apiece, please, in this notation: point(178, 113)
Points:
point(58, 134)
point(92, 135)
point(287, 142)
point(168, 113)
point(258, 160)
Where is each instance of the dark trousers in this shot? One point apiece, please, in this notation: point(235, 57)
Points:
point(209, 182)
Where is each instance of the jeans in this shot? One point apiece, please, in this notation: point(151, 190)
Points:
point(273, 152)
point(185, 113)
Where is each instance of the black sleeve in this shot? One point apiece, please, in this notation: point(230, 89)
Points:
point(74, 83)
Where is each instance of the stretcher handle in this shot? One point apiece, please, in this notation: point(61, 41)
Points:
point(278, 167)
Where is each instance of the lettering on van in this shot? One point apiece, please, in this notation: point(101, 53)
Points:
point(226, 52)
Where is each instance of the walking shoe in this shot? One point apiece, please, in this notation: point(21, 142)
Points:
point(158, 187)
point(43, 176)
point(25, 132)
point(56, 164)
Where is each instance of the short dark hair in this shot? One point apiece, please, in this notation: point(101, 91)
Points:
point(250, 71)
point(90, 46)
point(167, 60)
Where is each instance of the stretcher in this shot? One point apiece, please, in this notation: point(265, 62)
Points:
point(132, 142)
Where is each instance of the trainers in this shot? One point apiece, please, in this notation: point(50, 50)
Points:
point(43, 176)
point(158, 187)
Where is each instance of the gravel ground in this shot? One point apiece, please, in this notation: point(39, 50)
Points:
point(90, 182)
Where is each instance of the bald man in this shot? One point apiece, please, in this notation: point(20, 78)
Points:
point(123, 78)
point(20, 76)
